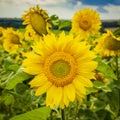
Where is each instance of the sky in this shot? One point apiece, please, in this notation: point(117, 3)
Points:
point(64, 9)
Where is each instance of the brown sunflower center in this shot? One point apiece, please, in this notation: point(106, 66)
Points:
point(38, 23)
point(60, 68)
point(85, 23)
point(14, 39)
point(111, 43)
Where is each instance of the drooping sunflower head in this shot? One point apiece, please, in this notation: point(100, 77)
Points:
point(108, 45)
point(86, 22)
point(62, 66)
point(36, 20)
point(13, 39)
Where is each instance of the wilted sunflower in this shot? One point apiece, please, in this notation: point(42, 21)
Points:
point(37, 23)
point(86, 22)
point(63, 67)
point(108, 45)
point(12, 40)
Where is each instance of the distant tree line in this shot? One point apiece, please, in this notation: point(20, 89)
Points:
point(17, 23)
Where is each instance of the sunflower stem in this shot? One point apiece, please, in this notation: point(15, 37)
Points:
point(62, 114)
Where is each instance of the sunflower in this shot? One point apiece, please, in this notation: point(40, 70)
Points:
point(37, 23)
point(108, 45)
point(86, 22)
point(12, 40)
point(62, 66)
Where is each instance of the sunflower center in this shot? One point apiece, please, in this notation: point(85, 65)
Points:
point(38, 23)
point(14, 39)
point(85, 23)
point(111, 43)
point(60, 68)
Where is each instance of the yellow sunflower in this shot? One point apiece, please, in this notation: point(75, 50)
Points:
point(12, 40)
point(63, 67)
point(37, 23)
point(108, 45)
point(86, 22)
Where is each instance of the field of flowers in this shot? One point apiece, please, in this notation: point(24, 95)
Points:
point(48, 72)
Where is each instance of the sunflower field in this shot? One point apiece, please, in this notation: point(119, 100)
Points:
point(59, 70)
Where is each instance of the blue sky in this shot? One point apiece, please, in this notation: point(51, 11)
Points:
point(65, 9)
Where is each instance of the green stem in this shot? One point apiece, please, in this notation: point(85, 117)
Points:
point(62, 114)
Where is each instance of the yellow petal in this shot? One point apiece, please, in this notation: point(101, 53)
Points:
point(32, 58)
point(33, 69)
point(85, 81)
point(58, 93)
point(38, 81)
point(70, 92)
point(54, 96)
point(65, 99)
point(50, 97)
point(43, 89)
point(80, 88)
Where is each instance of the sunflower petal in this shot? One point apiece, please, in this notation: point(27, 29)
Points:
point(38, 81)
point(70, 92)
point(43, 89)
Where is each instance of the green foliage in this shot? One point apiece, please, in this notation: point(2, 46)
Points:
point(114, 101)
point(104, 68)
point(18, 101)
point(36, 114)
point(64, 25)
point(19, 77)
point(117, 32)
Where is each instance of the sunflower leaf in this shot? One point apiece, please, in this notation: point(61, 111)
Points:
point(37, 114)
point(106, 70)
point(19, 77)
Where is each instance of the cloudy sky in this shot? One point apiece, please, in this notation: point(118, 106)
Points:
point(64, 9)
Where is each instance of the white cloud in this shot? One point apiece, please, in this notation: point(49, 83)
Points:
point(62, 13)
point(43, 2)
point(113, 12)
point(64, 9)
point(79, 3)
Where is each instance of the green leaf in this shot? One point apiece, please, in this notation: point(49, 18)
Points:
point(10, 65)
point(98, 84)
point(20, 88)
point(106, 70)
point(55, 20)
point(87, 114)
point(13, 67)
point(113, 100)
point(19, 77)
point(37, 114)
point(118, 118)
point(104, 115)
point(65, 24)
point(9, 99)
point(99, 105)
point(101, 86)
point(2, 116)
